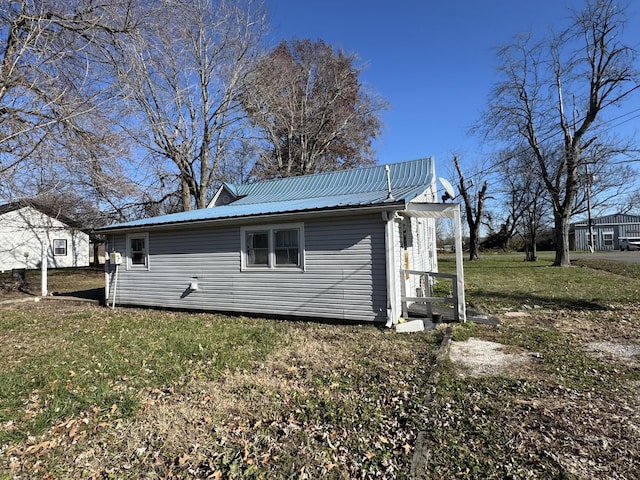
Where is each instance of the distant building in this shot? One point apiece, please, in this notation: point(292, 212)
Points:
point(29, 229)
point(606, 231)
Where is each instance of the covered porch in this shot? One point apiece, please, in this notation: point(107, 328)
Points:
point(423, 298)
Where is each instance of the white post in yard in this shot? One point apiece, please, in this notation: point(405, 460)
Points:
point(107, 278)
point(43, 281)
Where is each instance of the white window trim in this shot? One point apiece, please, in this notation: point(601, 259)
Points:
point(271, 229)
point(607, 242)
point(131, 236)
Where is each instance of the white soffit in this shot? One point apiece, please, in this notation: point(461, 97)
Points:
point(431, 210)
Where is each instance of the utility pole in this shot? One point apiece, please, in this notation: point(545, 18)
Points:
point(589, 221)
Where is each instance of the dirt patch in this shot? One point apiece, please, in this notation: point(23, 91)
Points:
point(555, 393)
point(628, 354)
point(479, 358)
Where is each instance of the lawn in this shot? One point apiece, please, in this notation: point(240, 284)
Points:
point(91, 392)
point(567, 403)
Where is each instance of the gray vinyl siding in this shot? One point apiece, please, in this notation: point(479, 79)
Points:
point(344, 276)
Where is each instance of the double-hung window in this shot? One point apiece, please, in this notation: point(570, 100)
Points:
point(59, 247)
point(273, 247)
point(138, 251)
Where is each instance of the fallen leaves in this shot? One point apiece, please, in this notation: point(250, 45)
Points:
point(320, 405)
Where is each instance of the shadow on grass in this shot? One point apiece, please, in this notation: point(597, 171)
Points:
point(530, 300)
point(96, 294)
point(471, 266)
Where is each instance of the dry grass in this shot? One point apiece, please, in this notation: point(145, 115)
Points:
point(571, 410)
point(59, 281)
point(282, 418)
point(204, 396)
point(305, 400)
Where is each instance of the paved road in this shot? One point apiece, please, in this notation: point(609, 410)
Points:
point(627, 257)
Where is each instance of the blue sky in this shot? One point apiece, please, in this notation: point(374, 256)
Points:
point(431, 60)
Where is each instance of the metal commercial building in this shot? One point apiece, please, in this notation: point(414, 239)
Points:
point(606, 232)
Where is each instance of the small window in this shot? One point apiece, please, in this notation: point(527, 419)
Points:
point(59, 247)
point(607, 237)
point(407, 233)
point(275, 247)
point(137, 251)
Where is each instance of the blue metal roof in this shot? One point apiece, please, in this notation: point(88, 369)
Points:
point(356, 187)
point(357, 180)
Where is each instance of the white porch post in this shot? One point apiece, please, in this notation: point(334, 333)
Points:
point(392, 294)
point(462, 311)
point(446, 210)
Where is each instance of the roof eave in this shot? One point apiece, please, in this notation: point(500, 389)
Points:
point(345, 210)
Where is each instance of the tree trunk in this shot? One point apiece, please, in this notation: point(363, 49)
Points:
point(96, 252)
point(530, 255)
point(561, 236)
point(474, 244)
point(185, 194)
point(474, 223)
point(531, 251)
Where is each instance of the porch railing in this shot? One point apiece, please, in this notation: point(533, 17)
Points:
point(426, 291)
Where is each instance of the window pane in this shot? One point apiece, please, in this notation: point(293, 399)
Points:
point(257, 248)
point(286, 247)
point(287, 256)
point(287, 238)
point(137, 244)
point(138, 252)
point(59, 247)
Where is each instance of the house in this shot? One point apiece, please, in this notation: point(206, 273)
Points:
point(345, 245)
point(606, 230)
point(29, 230)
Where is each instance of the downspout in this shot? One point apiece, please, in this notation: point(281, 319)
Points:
point(390, 265)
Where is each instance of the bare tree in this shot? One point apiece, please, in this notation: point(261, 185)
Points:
point(52, 94)
point(311, 110)
point(182, 74)
point(474, 209)
point(552, 96)
point(526, 198)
